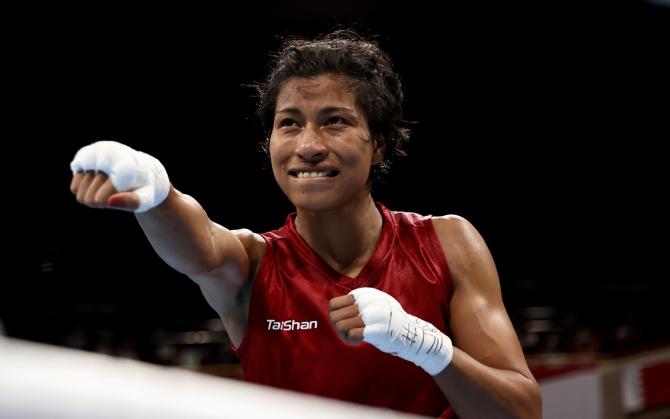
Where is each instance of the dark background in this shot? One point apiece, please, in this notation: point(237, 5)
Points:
point(541, 124)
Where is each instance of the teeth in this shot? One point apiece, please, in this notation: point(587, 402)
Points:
point(305, 175)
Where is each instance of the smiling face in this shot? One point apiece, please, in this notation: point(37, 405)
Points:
point(320, 147)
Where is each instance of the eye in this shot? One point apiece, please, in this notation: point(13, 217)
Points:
point(336, 120)
point(287, 122)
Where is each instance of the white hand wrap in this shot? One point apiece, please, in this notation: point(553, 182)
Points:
point(389, 328)
point(128, 169)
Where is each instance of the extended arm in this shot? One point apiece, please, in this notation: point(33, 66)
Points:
point(112, 175)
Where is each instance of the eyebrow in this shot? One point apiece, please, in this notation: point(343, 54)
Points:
point(326, 110)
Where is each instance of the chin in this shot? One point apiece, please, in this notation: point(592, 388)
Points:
point(321, 199)
point(318, 202)
point(313, 205)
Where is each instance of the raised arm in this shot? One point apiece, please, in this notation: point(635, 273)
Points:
point(112, 175)
point(187, 240)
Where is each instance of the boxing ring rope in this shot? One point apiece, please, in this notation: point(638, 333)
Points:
point(39, 381)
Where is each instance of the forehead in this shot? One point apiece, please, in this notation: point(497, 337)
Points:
point(323, 89)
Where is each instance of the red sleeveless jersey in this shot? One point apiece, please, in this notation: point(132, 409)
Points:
point(290, 342)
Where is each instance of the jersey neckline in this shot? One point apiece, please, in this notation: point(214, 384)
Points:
point(366, 276)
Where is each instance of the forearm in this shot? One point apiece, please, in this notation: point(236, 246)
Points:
point(478, 391)
point(181, 233)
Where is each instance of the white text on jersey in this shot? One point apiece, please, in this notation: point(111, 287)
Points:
point(291, 325)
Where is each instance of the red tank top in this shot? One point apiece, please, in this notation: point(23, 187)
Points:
point(290, 343)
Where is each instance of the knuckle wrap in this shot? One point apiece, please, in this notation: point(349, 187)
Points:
point(128, 170)
point(389, 328)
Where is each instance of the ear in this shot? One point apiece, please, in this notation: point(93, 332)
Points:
point(265, 147)
point(378, 152)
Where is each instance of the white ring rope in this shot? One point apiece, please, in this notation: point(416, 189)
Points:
point(39, 381)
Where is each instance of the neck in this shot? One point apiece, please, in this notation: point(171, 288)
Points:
point(344, 237)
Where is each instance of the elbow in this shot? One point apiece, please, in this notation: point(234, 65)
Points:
point(537, 401)
point(526, 401)
point(531, 407)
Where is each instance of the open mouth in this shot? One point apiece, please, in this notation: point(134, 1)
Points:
point(308, 174)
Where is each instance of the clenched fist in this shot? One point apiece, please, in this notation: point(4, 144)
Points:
point(108, 174)
point(373, 316)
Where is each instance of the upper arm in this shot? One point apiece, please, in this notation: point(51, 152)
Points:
point(236, 255)
point(479, 323)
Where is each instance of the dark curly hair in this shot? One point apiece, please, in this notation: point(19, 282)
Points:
point(369, 69)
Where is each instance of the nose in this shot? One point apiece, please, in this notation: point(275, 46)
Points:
point(311, 145)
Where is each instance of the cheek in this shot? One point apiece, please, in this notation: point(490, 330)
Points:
point(274, 150)
point(277, 156)
point(363, 156)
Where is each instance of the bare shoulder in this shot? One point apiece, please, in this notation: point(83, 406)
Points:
point(457, 235)
point(466, 251)
point(248, 238)
point(452, 224)
point(254, 245)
